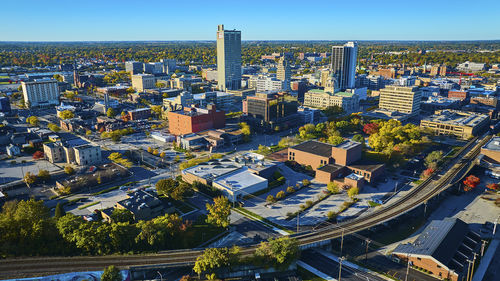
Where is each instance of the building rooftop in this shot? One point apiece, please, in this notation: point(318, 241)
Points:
point(441, 239)
point(239, 179)
point(354, 176)
point(330, 168)
point(315, 147)
point(139, 200)
point(348, 144)
point(366, 165)
point(212, 169)
point(344, 94)
point(456, 117)
point(493, 144)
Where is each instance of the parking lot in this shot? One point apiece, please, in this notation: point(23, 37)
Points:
point(278, 211)
point(13, 172)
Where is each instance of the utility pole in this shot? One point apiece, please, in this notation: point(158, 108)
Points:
point(425, 208)
point(482, 247)
point(473, 262)
point(407, 268)
point(468, 269)
point(368, 241)
point(342, 242)
point(495, 226)
point(341, 259)
point(298, 222)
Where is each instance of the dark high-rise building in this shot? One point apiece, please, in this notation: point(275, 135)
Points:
point(4, 104)
point(344, 64)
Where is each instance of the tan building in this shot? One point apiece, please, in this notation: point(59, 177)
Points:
point(54, 153)
point(401, 99)
point(283, 71)
point(461, 124)
point(81, 155)
point(87, 154)
point(349, 102)
point(141, 82)
point(40, 93)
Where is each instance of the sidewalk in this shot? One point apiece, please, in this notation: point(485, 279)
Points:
point(315, 271)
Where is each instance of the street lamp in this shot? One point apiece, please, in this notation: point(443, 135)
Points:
point(341, 259)
point(161, 276)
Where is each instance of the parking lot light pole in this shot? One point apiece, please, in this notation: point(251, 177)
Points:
point(407, 268)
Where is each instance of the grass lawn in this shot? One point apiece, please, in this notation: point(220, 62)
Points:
point(307, 275)
point(179, 205)
point(373, 204)
point(199, 234)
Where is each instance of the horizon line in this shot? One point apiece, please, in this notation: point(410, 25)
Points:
point(258, 40)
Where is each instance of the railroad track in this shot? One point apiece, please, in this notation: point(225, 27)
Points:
point(38, 266)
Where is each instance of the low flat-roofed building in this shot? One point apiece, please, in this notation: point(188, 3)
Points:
point(139, 113)
point(144, 205)
point(208, 171)
point(54, 152)
point(442, 249)
point(461, 124)
point(492, 149)
point(386, 115)
point(239, 183)
point(87, 154)
point(439, 103)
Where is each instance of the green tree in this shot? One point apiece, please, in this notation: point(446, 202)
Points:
point(335, 140)
point(59, 212)
point(111, 112)
point(122, 215)
point(352, 192)
point(44, 175)
point(29, 178)
point(280, 195)
point(219, 211)
point(306, 182)
point(166, 186)
point(66, 114)
point(33, 121)
point(69, 170)
point(433, 158)
point(53, 127)
point(111, 273)
point(332, 187)
point(270, 199)
point(359, 138)
point(214, 258)
point(280, 252)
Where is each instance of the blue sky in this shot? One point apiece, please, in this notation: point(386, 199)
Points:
point(114, 20)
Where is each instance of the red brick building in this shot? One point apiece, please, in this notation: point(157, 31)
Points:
point(193, 120)
point(462, 95)
point(140, 113)
point(442, 249)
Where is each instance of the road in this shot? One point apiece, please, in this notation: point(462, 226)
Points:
point(420, 194)
point(331, 267)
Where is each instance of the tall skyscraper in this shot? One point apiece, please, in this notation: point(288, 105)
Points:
point(283, 71)
point(344, 64)
point(228, 59)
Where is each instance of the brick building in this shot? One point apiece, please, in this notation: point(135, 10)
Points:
point(488, 101)
point(462, 95)
point(192, 120)
point(140, 113)
point(334, 161)
point(442, 249)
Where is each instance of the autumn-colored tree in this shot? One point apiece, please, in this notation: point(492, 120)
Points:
point(471, 182)
point(370, 128)
point(427, 172)
point(38, 155)
point(493, 186)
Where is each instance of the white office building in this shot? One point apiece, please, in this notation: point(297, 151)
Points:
point(263, 83)
point(228, 59)
point(41, 93)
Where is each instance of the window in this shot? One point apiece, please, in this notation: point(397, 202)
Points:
point(419, 259)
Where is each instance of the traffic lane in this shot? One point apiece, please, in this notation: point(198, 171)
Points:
point(384, 264)
point(331, 267)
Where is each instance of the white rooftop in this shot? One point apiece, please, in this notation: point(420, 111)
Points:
point(239, 179)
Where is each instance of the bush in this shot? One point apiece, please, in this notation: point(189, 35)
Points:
point(270, 199)
point(280, 195)
point(306, 182)
point(331, 215)
point(290, 189)
point(309, 203)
